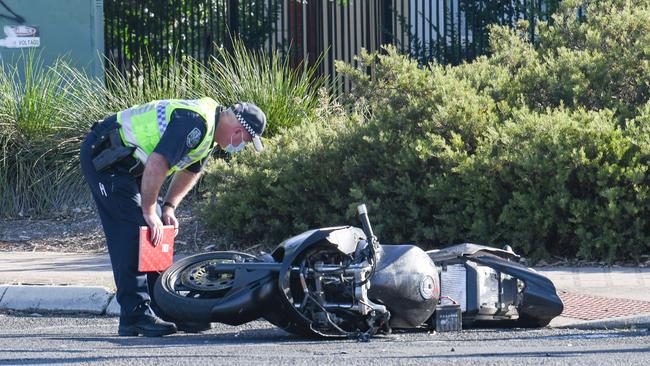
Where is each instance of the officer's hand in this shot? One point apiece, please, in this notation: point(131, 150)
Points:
point(156, 227)
point(169, 218)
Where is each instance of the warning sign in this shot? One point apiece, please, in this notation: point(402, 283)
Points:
point(20, 36)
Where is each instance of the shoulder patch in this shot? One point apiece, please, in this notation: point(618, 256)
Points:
point(193, 138)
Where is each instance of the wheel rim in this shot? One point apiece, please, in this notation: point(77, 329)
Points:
point(197, 277)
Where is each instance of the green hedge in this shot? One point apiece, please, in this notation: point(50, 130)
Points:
point(525, 147)
point(562, 183)
point(601, 62)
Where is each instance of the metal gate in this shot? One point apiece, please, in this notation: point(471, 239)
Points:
point(449, 31)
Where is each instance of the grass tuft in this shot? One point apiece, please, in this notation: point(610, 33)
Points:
point(45, 112)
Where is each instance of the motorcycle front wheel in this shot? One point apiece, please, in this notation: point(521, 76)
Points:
point(189, 289)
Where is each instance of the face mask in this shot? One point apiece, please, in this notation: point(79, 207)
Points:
point(231, 149)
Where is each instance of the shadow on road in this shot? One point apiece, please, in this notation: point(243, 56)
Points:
point(252, 336)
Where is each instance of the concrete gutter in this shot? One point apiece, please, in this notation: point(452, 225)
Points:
point(60, 299)
point(626, 322)
point(113, 308)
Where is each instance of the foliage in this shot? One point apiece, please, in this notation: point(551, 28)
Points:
point(38, 138)
point(536, 146)
point(316, 174)
point(461, 29)
point(601, 62)
point(290, 185)
point(562, 183)
point(46, 111)
point(287, 95)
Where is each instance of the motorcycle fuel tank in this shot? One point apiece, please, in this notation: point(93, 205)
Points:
point(406, 282)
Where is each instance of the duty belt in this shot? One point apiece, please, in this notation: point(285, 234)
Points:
point(108, 151)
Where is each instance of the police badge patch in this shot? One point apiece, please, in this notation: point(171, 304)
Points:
point(193, 138)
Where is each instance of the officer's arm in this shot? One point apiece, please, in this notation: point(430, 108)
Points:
point(153, 177)
point(182, 183)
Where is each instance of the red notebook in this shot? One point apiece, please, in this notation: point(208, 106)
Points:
point(156, 259)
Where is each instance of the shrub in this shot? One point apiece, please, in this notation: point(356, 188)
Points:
point(444, 155)
point(291, 186)
point(596, 62)
point(287, 95)
point(38, 169)
point(559, 183)
point(46, 111)
point(316, 174)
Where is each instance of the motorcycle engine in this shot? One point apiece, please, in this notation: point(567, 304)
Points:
point(341, 293)
point(330, 289)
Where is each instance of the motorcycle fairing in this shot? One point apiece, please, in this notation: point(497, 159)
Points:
point(284, 314)
point(344, 237)
point(465, 249)
point(539, 302)
point(250, 298)
point(536, 302)
point(247, 298)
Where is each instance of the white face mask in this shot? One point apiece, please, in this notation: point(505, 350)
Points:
point(231, 149)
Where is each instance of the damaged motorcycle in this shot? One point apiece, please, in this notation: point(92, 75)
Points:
point(341, 282)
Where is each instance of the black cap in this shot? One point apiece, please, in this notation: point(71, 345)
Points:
point(253, 120)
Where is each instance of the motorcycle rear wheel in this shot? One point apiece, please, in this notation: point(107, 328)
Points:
point(187, 291)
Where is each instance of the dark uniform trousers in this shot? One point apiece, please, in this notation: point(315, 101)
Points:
point(117, 195)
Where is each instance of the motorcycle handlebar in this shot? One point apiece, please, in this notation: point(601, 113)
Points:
point(365, 222)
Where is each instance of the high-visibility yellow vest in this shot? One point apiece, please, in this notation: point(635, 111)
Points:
point(143, 125)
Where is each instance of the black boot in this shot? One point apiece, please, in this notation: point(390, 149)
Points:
point(148, 326)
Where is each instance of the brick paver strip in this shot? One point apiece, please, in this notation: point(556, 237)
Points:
point(587, 307)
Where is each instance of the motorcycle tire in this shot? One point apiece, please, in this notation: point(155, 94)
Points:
point(169, 298)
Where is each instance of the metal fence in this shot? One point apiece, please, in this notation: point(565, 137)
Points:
point(450, 31)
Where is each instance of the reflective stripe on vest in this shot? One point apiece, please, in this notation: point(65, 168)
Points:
point(142, 126)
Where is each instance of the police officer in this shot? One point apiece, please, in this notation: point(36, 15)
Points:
point(125, 160)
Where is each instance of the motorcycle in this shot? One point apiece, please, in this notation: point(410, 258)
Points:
point(341, 282)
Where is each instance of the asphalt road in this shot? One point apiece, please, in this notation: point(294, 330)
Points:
point(83, 340)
